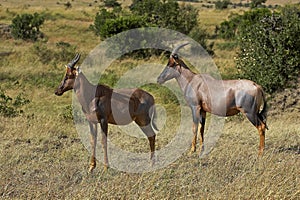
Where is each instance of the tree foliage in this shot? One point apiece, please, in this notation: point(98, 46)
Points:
point(257, 3)
point(27, 26)
point(270, 50)
point(166, 14)
point(229, 29)
point(222, 4)
point(150, 13)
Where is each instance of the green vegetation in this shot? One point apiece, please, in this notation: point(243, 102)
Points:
point(268, 45)
point(151, 13)
point(27, 26)
point(270, 50)
point(257, 3)
point(230, 29)
point(11, 107)
point(111, 3)
point(222, 4)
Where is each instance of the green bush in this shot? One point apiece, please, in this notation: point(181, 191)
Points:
point(27, 26)
point(167, 14)
point(270, 50)
point(150, 13)
point(100, 20)
point(114, 26)
point(70, 113)
point(111, 3)
point(201, 36)
point(229, 29)
point(222, 4)
point(10, 107)
point(257, 3)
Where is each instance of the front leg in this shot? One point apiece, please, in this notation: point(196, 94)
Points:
point(196, 115)
point(93, 141)
point(104, 128)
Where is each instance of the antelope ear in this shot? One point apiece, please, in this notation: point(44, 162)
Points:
point(78, 71)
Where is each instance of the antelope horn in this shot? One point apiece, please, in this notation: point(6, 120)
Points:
point(74, 61)
point(178, 47)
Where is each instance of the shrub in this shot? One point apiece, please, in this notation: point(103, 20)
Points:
point(10, 107)
point(71, 113)
point(27, 26)
point(200, 36)
point(230, 29)
point(270, 50)
point(257, 3)
point(101, 17)
point(222, 4)
point(111, 3)
point(167, 14)
point(120, 24)
point(150, 13)
point(68, 5)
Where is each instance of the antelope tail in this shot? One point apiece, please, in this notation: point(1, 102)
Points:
point(263, 113)
point(153, 118)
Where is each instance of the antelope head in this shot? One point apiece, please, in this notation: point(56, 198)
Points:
point(69, 78)
point(172, 70)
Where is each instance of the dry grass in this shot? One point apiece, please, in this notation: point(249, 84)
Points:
point(42, 156)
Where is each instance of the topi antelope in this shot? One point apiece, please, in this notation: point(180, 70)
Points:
point(204, 94)
point(101, 104)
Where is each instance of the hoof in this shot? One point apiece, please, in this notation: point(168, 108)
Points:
point(91, 169)
point(152, 161)
point(192, 151)
point(201, 151)
point(105, 167)
point(260, 153)
point(201, 154)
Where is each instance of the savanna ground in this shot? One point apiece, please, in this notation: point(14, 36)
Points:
point(42, 156)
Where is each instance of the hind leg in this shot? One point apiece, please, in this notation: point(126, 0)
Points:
point(261, 130)
point(146, 127)
point(152, 149)
point(261, 127)
point(201, 138)
point(149, 132)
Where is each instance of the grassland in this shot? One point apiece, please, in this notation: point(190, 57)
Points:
point(42, 156)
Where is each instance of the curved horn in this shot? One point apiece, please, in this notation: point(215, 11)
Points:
point(74, 61)
point(178, 47)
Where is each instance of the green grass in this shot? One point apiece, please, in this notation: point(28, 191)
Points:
point(42, 156)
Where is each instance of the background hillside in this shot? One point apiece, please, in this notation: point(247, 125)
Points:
point(42, 156)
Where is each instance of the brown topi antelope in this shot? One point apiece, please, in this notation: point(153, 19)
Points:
point(101, 104)
point(204, 94)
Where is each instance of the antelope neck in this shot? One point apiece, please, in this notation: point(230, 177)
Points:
point(185, 78)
